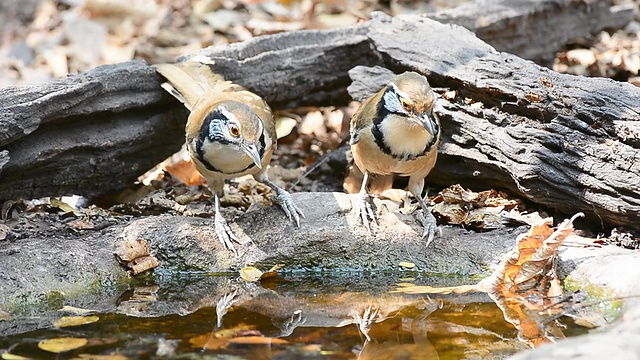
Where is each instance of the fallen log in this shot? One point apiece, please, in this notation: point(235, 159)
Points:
point(562, 141)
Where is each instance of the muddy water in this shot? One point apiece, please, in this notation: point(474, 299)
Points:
point(321, 317)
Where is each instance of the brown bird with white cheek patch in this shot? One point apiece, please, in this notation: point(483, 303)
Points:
point(396, 132)
point(230, 132)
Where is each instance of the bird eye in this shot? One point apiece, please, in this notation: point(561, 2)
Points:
point(405, 104)
point(234, 130)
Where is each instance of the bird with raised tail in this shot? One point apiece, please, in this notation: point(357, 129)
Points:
point(230, 132)
point(396, 132)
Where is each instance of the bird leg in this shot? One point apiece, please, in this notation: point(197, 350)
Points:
point(284, 199)
point(292, 323)
point(224, 303)
point(225, 235)
point(428, 221)
point(363, 206)
point(364, 321)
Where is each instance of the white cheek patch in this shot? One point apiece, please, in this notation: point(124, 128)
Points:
point(392, 100)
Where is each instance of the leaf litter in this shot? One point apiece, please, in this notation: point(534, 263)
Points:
point(525, 285)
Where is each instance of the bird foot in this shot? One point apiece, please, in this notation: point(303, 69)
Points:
point(368, 317)
point(284, 199)
point(429, 225)
point(292, 323)
point(224, 233)
point(364, 212)
point(223, 305)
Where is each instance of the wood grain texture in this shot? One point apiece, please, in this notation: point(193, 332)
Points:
point(536, 29)
point(569, 143)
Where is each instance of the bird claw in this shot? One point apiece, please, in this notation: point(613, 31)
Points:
point(364, 211)
point(224, 233)
point(292, 323)
point(223, 305)
point(367, 319)
point(429, 225)
point(284, 199)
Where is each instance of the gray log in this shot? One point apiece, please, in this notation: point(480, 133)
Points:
point(535, 29)
point(89, 134)
point(562, 141)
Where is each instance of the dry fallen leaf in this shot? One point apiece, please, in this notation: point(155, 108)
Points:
point(142, 264)
point(250, 274)
point(131, 249)
point(75, 310)
point(407, 265)
point(59, 345)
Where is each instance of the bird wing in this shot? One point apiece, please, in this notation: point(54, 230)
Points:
point(189, 81)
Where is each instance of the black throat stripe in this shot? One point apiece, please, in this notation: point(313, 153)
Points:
point(382, 144)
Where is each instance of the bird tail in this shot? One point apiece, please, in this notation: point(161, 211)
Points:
point(188, 81)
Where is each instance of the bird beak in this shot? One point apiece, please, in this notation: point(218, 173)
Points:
point(428, 122)
point(252, 152)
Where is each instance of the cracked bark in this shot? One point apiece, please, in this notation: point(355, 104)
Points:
point(569, 143)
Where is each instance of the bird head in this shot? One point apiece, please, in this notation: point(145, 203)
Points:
point(234, 123)
point(409, 95)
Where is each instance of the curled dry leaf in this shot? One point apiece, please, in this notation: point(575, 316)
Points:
point(478, 210)
point(142, 264)
point(250, 274)
point(131, 249)
point(134, 254)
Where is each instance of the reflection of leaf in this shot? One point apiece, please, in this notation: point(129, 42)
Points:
point(250, 274)
point(521, 286)
point(68, 321)
point(9, 356)
point(58, 345)
point(220, 339)
point(100, 357)
point(257, 340)
point(426, 289)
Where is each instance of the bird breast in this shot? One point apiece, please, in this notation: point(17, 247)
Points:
point(369, 157)
point(225, 160)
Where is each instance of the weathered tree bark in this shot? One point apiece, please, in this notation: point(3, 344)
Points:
point(562, 141)
point(88, 134)
point(534, 29)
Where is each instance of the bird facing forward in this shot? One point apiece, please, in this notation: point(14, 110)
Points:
point(396, 132)
point(230, 132)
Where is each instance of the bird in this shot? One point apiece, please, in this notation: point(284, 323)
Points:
point(230, 132)
point(396, 132)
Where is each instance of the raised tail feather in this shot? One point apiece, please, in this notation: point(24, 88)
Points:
point(188, 81)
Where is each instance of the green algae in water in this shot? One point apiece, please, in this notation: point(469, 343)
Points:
point(287, 318)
